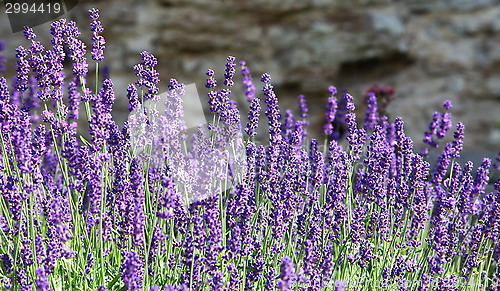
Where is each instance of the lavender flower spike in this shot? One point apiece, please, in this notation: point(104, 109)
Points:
point(98, 41)
point(287, 275)
point(42, 284)
point(272, 110)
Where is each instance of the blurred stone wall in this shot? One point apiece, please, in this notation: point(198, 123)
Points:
point(427, 50)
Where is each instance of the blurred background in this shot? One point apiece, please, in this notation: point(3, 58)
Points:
point(426, 50)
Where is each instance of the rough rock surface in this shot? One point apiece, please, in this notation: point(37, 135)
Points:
point(427, 50)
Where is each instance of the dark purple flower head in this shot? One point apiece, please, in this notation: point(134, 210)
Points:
point(148, 60)
point(265, 78)
point(28, 33)
point(94, 13)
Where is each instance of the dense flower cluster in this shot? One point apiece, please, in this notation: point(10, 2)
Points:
point(364, 213)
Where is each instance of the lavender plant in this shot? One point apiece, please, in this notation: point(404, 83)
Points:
point(106, 214)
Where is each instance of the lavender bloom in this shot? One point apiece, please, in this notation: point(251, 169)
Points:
point(28, 33)
point(433, 127)
point(211, 82)
point(317, 164)
point(458, 142)
point(287, 275)
point(22, 68)
point(98, 41)
point(481, 178)
point(303, 108)
point(272, 111)
point(74, 101)
point(253, 117)
point(132, 97)
point(331, 110)
point(270, 277)
point(230, 71)
point(442, 164)
point(445, 125)
point(131, 268)
point(101, 119)
point(147, 76)
point(372, 116)
point(249, 87)
point(42, 283)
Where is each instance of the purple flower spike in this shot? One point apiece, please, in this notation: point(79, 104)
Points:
point(253, 117)
point(331, 110)
point(132, 271)
point(230, 71)
point(303, 107)
point(211, 82)
point(287, 275)
point(147, 76)
point(248, 85)
point(372, 116)
point(42, 283)
point(28, 33)
point(272, 110)
point(98, 41)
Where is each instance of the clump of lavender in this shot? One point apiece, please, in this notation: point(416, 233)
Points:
point(106, 214)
